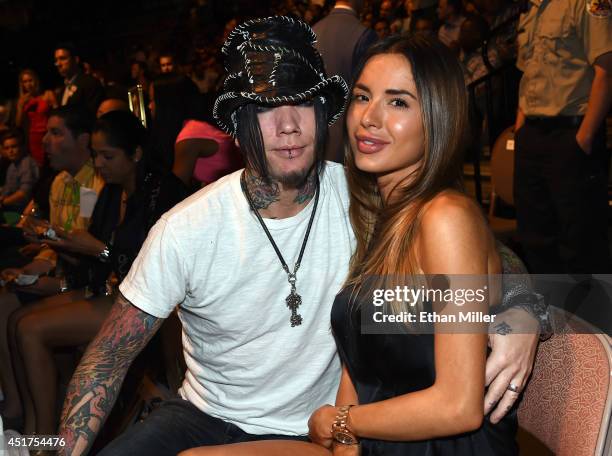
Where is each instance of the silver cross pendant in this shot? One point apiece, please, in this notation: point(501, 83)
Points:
point(294, 301)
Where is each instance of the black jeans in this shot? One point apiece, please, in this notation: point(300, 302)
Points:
point(177, 425)
point(561, 201)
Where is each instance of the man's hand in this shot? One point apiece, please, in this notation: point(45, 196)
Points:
point(33, 227)
point(77, 241)
point(320, 425)
point(511, 360)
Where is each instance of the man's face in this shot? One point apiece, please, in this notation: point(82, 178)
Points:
point(59, 143)
point(385, 9)
point(166, 65)
point(12, 149)
point(289, 133)
point(135, 70)
point(65, 63)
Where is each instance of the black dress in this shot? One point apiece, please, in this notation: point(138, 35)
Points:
point(383, 366)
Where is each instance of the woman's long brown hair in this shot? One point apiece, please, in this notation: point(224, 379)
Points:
point(385, 230)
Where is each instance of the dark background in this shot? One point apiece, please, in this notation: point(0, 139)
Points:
point(106, 30)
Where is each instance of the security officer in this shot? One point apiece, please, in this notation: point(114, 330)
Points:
point(561, 165)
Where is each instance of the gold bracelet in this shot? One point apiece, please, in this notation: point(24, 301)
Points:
point(340, 432)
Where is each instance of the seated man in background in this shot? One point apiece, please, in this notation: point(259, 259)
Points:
point(21, 174)
point(72, 198)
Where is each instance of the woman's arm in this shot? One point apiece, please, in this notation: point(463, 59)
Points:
point(320, 422)
point(346, 390)
point(187, 152)
point(453, 239)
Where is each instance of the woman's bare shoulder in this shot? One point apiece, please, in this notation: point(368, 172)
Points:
point(454, 235)
point(454, 208)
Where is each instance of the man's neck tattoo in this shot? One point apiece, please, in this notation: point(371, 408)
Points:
point(262, 193)
point(307, 191)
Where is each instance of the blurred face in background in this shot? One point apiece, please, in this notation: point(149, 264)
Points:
point(66, 63)
point(472, 34)
point(136, 70)
point(28, 83)
point(382, 29)
point(166, 64)
point(11, 148)
point(386, 8)
point(60, 145)
point(424, 27)
point(444, 10)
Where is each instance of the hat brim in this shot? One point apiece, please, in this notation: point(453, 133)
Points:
point(333, 90)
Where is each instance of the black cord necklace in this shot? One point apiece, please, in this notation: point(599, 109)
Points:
point(294, 300)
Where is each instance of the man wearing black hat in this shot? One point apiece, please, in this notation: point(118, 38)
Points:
point(254, 295)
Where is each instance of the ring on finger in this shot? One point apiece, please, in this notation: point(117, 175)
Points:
point(512, 387)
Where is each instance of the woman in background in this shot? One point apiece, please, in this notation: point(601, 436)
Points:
point(33, 112)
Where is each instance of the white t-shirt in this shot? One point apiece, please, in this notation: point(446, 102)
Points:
point(245, 363)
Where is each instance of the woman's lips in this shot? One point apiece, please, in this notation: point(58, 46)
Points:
point(369, 145)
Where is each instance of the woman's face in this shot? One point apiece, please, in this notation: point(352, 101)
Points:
point(384, 119)
point(27, 83)
point(112, 163)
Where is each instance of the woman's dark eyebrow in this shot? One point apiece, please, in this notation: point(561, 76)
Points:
point(365, 88)
point(400, 92)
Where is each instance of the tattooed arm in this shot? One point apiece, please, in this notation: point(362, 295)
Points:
point(95, 384)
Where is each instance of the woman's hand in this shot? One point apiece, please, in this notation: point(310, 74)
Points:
point(320, 425)
point(76, 241)
point(44, 286)
point(23, 99)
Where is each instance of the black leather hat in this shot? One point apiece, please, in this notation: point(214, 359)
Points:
point(272, 61)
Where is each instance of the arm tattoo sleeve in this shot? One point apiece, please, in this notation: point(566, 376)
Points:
point(96, 382)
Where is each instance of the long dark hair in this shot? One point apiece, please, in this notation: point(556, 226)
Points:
point(251, 142)
point(122, 130)
point(176, 100)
